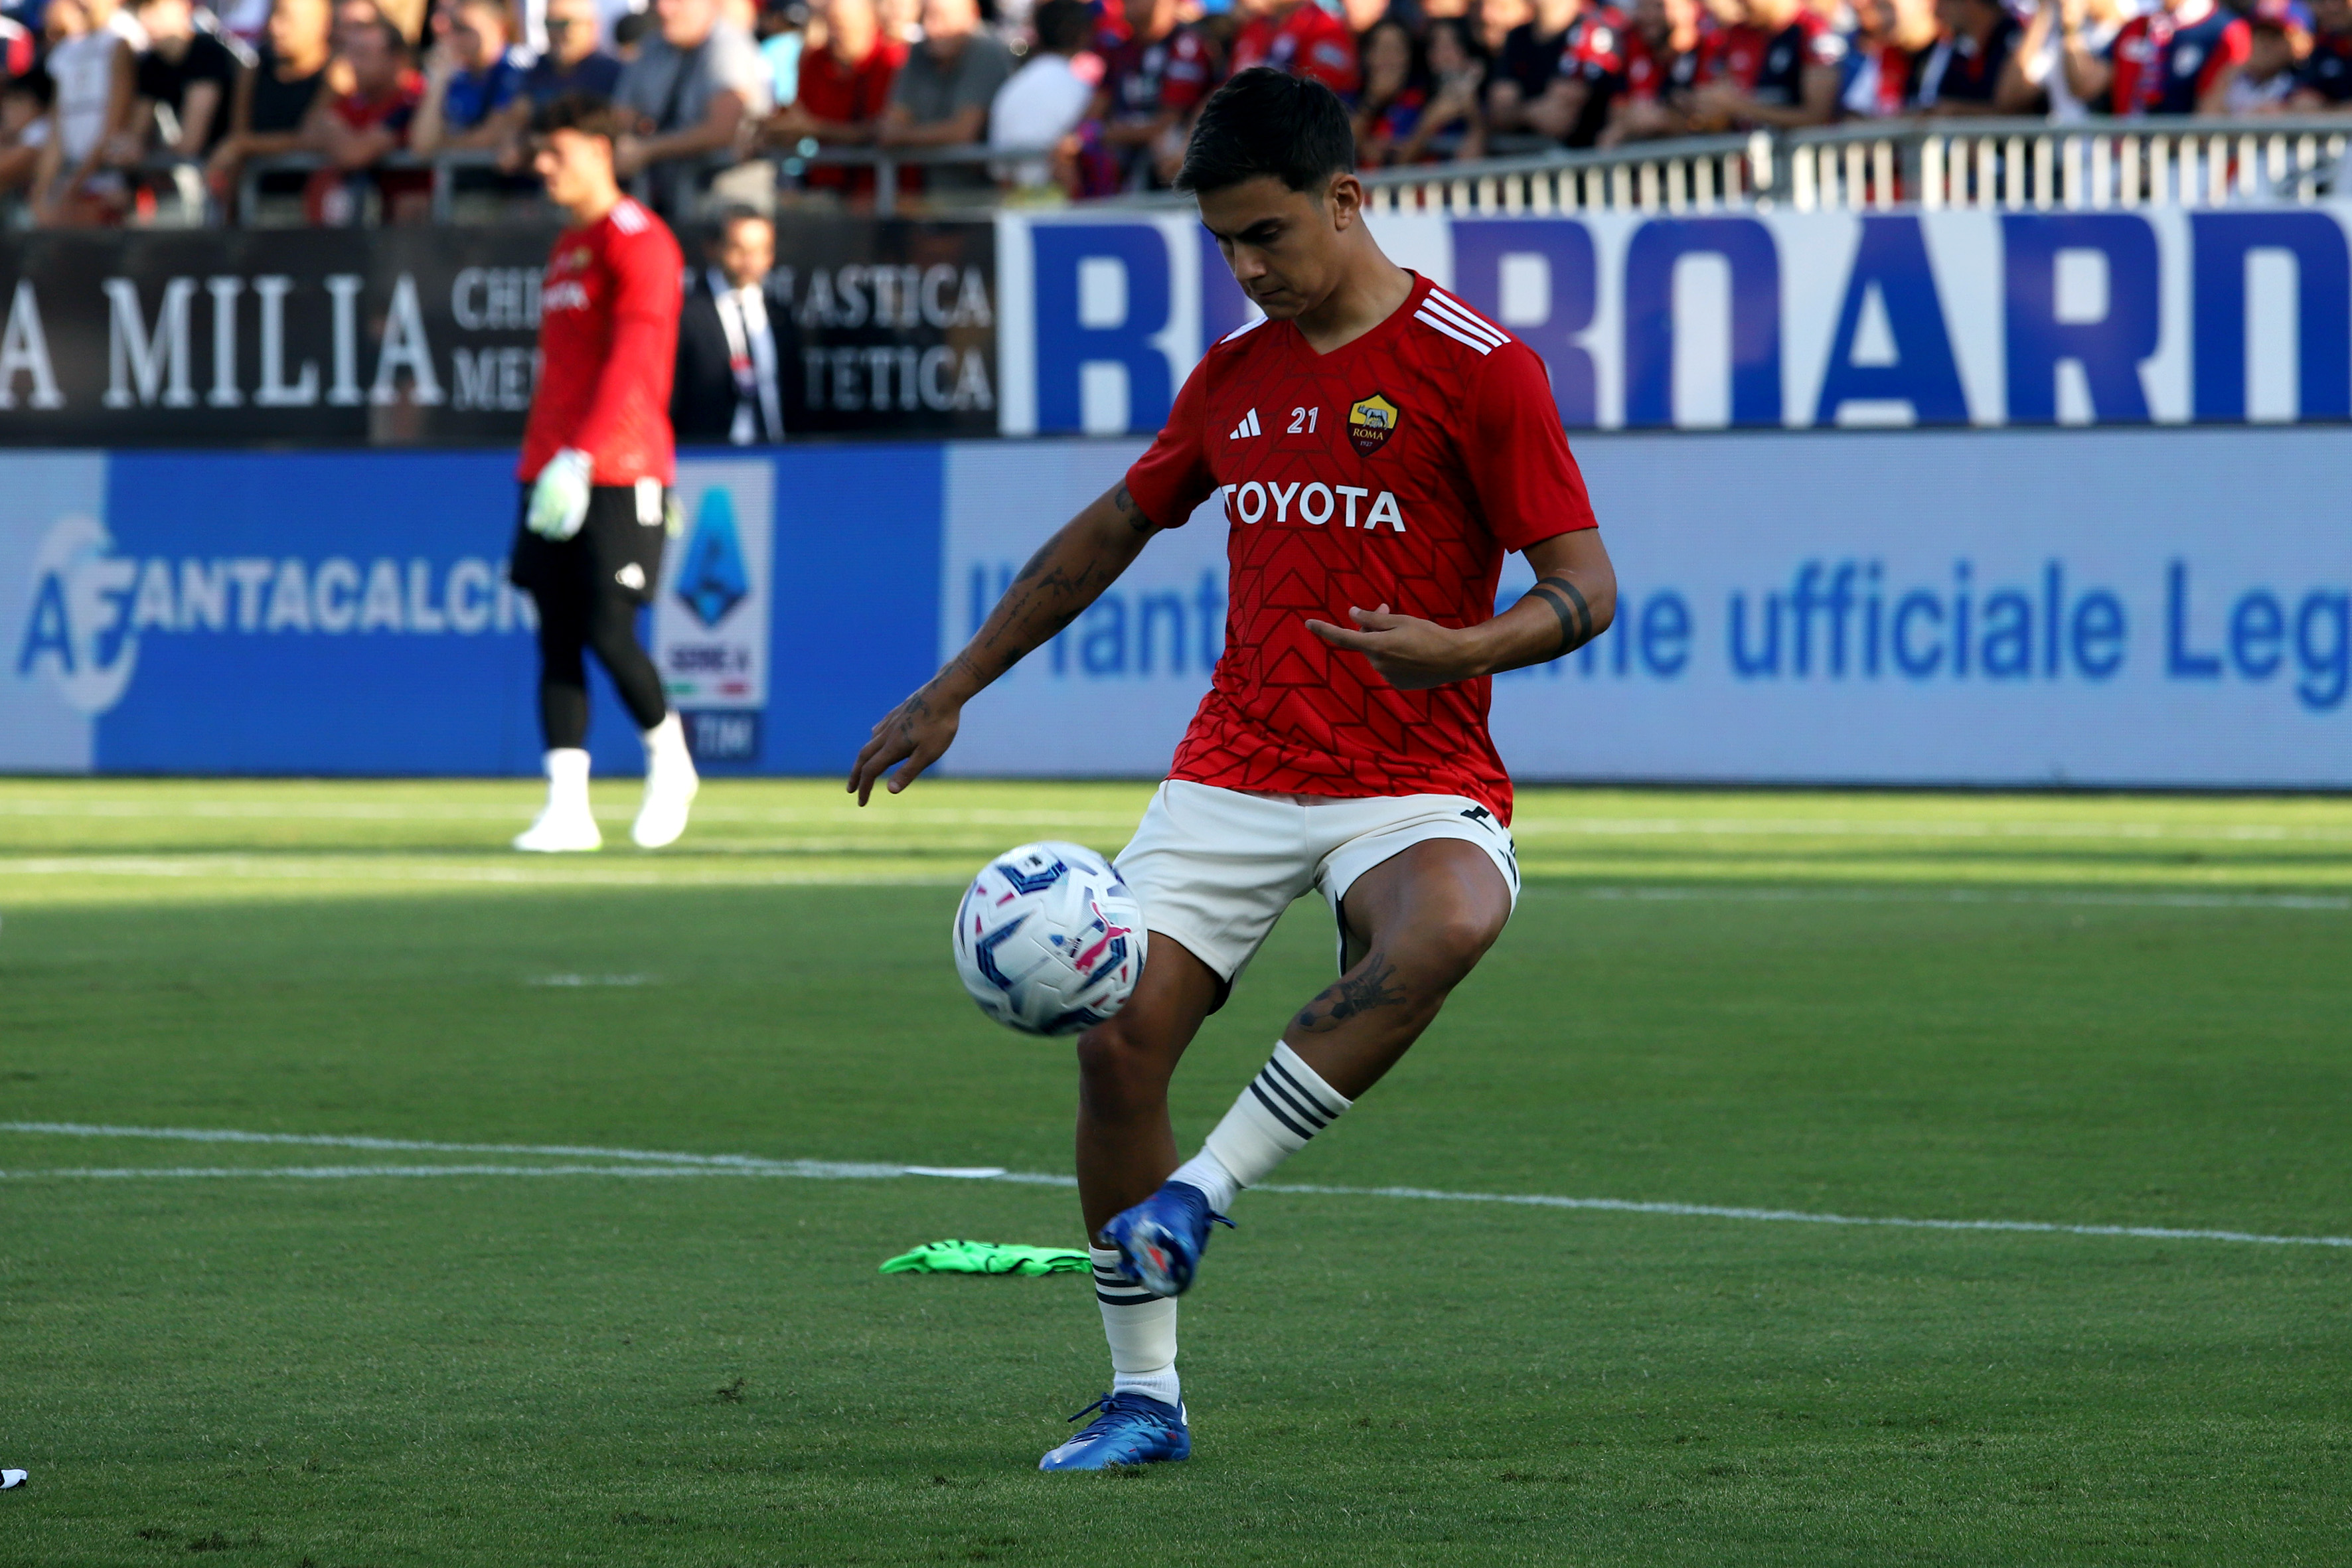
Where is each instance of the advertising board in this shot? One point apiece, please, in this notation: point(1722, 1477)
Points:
point(2110, 607)
point(1781, 320)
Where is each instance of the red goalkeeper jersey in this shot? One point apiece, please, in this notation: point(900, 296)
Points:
point(608, 346)
point(1394, 470)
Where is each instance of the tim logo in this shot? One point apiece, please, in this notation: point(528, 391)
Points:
point(723, 737)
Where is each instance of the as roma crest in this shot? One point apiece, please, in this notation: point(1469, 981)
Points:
point(1371, 422)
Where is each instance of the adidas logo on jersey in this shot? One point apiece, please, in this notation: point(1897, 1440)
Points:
point(1248, 427)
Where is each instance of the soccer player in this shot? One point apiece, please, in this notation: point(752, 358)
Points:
point(597, 466)
point(1377, 445)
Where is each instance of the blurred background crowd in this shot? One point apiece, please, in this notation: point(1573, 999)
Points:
point(347, 104)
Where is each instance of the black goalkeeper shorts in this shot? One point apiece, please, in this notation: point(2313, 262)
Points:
point(617, 550)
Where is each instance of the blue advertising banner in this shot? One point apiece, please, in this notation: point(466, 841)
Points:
point(1799, 321)
point(349, 612)
point(2169, 609)
point(2165, 608)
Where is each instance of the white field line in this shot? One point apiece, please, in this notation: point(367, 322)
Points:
point(2156, 900)
point(425, 811)
point(1526, 824)
point(652, 1162)
point(752, 873)
point(420, 868)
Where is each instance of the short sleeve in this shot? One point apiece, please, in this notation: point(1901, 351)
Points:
point(1529, 484)
point(1172, 478)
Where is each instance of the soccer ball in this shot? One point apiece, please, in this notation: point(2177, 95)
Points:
point(1048, 939)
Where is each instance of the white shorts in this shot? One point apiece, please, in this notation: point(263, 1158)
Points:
point(1216, 868)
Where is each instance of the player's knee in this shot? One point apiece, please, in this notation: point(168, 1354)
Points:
point(1122, 1066)
point(1451, 944)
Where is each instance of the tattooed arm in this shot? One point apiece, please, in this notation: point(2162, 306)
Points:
point(1069, 572)
point(1573, 601)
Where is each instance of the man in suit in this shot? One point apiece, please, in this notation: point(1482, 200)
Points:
point(734, 339)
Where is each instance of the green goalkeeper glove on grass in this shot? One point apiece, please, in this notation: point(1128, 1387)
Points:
point(987, 1257)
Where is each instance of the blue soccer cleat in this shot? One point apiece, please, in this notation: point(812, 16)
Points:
point(1133, 1429)
point(1161, 1238)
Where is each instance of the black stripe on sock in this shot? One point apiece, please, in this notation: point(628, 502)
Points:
point(1138, 1299)
point(1305, 1111)
point(1274, 1065)
point(1267, 1101)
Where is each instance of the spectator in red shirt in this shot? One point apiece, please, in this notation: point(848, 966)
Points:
point(844, 88)
point(1780, 69)
point(1300, 37)
point(358, 129)
point(1574, 107)
point(1649, 91)
point(2177, 60)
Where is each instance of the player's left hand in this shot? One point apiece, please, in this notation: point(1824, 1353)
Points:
point(559, 497)
point(1411, 654)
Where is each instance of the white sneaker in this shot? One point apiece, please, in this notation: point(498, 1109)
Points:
point(560, 829)
point(671, 784)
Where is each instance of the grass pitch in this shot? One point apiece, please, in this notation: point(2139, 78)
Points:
point(2078, 1011)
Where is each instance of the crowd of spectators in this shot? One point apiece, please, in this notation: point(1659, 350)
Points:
point(730, 97)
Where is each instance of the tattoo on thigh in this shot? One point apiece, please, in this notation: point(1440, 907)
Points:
point(1369, 986)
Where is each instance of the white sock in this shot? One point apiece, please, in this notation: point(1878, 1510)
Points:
point(1208, 1172)
point(567, 779)
point(1141, 1329)
point(665, 743)
point(1287, 1104)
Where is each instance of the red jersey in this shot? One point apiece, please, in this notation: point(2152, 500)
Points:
point(1650, 71)
point(390, 110)
point(1189, 73)
point(2166, 62)
point(1771, 66)
point(608, 314)
point(1307, 41)
point(1395, 470)
point(858, 94)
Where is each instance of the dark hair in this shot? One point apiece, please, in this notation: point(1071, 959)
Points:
point(734, 213)
point(1062, 25)
point(632, 25)
point(1265, 122)
point(581, 111)
point(396, 42)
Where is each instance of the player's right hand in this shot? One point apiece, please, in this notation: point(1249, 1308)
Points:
point(559, 497)
point(917, 732)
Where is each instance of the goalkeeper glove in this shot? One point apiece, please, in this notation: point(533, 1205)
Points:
point(559, 498)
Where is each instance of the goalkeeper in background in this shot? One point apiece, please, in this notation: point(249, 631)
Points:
point(597, 463)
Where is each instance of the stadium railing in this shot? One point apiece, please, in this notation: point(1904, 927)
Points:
point(2008, 164)
point(2013, 164)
